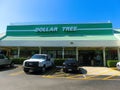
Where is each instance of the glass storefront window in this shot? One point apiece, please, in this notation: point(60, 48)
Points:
point(53, 52)
point(70, 53)
point(90, 57)
point(111, 54)
point(14, 53)
point(28, 52)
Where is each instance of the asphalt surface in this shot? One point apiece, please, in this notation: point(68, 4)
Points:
point(16, 79)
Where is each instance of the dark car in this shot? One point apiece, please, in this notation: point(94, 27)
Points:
point(70, 66)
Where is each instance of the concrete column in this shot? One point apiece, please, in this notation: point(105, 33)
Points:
point(18, 52)
point(63, 52)
point(77, 53)
point(104, 57)
point(39, 50)
point(118, 50)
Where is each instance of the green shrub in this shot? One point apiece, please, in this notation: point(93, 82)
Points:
point(59, 61)
point(111, 63)
point(18, 60)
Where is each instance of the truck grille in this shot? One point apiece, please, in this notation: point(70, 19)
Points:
point(31, 64)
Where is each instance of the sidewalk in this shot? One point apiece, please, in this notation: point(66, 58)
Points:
point(101, 70)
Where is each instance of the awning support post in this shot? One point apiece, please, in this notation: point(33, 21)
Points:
point(104, 57)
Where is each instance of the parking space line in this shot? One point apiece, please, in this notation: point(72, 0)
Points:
point(75, 76)
point(49, 73)
point(16, 73)
point(61, 75)
point(109, 77)
point(113, 79)
point(48, 76)
point(117, 74)
point(86, 79)
point(52, 72)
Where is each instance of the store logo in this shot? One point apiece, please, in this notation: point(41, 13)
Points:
point(55, 29)
point(46, 29)
point(68, 29)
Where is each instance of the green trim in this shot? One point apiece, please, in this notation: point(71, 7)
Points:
point(3, 37)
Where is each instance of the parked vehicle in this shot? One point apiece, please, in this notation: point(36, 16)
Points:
point(70, 65)
point(4, 61)
point(38, 62)
point(118, 65)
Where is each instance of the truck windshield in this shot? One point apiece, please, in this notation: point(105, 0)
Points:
point(38, 57)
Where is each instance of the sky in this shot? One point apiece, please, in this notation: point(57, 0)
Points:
point(58, 12)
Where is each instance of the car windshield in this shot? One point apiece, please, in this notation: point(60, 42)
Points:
point(38, 57)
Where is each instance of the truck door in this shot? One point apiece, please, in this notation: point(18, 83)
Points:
point(2, 61)
point(6, 60)
point(48, 61)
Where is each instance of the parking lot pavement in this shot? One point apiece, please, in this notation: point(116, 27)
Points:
point(55, 79)
point(85, 73)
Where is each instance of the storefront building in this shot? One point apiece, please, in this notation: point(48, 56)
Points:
point(86, 42)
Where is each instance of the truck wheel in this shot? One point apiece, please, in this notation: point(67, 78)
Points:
point(12, 64)
point(43, 69)
point(26, 70)
point(65, 70)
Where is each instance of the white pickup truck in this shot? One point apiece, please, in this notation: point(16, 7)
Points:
point(38, 62)
point(4, 61)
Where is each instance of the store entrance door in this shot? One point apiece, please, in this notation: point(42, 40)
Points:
point(86, 57)
point(90, 57)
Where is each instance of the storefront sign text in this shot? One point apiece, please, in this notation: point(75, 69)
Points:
point(55, 29)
